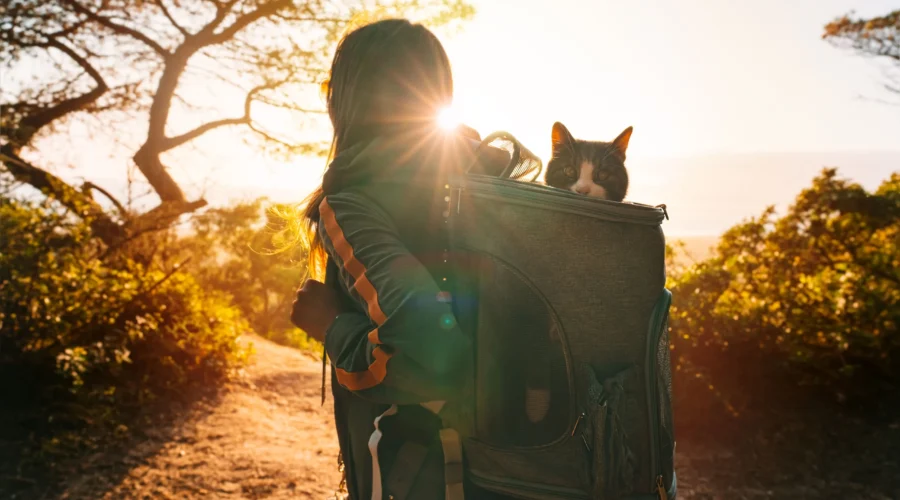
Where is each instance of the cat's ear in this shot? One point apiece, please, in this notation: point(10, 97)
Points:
point(621, 142)
point(560, 137)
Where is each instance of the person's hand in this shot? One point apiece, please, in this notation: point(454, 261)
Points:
point(315, 308)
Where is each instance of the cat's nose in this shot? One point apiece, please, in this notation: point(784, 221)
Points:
point(581, 188)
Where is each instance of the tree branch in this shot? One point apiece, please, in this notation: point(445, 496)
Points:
point(269, 137)
point(52, 186)
point(66, 31)
point(871, 37)
point(264, 10)
point(31, 124)
point(88, 68)
point(88, 186)
point(118, 28)
point(161, 216)
point(222, 10)
point(291, 106)
point(174, 142)
point(147, 156)
point(165, 11)
point(301, 19)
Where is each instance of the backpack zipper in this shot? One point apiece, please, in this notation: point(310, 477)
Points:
point(524, 193)
point(657, 317)
point(661, 489)
point(665, 211)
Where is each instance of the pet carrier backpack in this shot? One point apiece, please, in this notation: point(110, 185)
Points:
point(572, 289)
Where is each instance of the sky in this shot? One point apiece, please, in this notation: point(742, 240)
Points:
point(735, 105)
point(692, 77)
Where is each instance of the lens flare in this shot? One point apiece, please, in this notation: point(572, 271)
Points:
point(448, 118)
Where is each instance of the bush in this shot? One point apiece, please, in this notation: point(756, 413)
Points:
point(237, 251)
point(816, 291)
point(126, 329)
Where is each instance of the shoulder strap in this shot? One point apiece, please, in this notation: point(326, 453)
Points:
point(453, 464)
point(453, 455)
point(411, 456)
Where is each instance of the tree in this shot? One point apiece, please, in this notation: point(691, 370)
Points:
point(877, 37)
point(133, 57)
point(233, 251)
point(817, 289)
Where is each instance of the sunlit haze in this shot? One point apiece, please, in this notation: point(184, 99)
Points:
point(735, 105)
point(449, 118)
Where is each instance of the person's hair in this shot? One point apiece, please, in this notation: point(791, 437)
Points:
point(385, 76)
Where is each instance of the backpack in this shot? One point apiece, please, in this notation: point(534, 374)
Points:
point(569, 395)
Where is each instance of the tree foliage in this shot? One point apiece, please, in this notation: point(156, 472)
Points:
point(142, 59)
point(817, 289)
point(127, 326)
point(238, 250)
point(876, 37)
point(97, 296)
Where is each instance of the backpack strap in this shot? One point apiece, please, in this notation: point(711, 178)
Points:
point(411, 456)
point(407, 465)
point(453, 456)
point(374, 439)
point(453, 464)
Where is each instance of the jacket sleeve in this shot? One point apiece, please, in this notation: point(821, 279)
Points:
point(406, 348)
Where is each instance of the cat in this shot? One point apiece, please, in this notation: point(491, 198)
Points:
point(591, 168)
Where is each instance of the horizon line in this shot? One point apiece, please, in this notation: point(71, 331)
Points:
point(638, 154)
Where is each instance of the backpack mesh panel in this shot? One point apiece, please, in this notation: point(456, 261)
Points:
point(521, 164)
point(521, 367)
point(664, 389)
point(665, 367)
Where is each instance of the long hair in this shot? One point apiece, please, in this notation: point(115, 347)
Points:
point(385, 76)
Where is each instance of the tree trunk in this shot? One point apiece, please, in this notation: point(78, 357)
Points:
point(81, 204)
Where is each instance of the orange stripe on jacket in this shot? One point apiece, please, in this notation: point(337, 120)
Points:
point(357, 381)
point(376, 371)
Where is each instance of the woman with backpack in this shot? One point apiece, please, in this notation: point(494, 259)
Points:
point(377, 223)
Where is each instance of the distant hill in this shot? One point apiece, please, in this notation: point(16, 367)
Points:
point(704, 194)
point(709, 194)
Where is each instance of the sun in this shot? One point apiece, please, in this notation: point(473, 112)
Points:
point(448, 118)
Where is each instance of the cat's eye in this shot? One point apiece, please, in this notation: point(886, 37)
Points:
point(601, 176)
point(570, 172)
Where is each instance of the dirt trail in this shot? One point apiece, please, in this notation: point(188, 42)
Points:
point(268, 436)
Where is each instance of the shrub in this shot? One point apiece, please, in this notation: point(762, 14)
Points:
point(237, 251)
point(816, 290)
point(103, 328)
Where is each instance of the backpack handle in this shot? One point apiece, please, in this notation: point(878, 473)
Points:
point(514, 158)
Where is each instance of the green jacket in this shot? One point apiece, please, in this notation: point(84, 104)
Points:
point(383, 227)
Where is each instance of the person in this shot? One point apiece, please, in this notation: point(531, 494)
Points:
point(377, 225)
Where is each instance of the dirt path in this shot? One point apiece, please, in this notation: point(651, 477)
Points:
point(267, 436)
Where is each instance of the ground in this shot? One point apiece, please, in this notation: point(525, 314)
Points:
point(267, 435)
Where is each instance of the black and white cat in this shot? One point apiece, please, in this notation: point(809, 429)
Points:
point(591, 168)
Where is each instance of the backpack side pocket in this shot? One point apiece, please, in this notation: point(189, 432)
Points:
point(612, 462)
